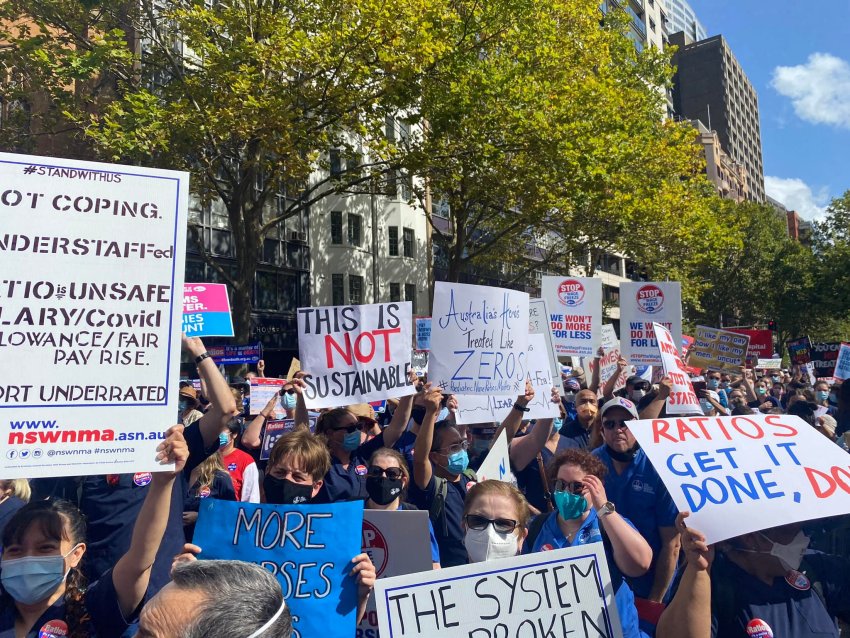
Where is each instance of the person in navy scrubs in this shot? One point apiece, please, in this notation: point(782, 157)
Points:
point(44, 591)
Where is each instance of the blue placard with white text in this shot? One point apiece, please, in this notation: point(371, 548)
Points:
point(308, 547)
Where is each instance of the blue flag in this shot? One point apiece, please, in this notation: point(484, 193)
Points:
point(308, 547)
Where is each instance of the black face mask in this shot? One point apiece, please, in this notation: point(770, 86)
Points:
point(285, 492)
point(623, 457)
point(383, 490)
point(418, 414)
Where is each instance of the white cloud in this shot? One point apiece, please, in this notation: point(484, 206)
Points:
point(798, 196)
point(818, 89)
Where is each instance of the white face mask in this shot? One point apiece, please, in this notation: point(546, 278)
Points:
point(637, 395)
point(487, 544)
point(790, 555)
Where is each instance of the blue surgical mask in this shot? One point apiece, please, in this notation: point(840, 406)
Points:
point(289, 401)
point(570, 506)
point(458, 462)
point(351, 441)
point(443, 415)
point(712, 384)
point(32, 579)
point(182, 405)
point(823, 395)
point(223, 439)
point(557, 424)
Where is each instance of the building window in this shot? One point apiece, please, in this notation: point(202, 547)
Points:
point(410, 295)
point(393, 235)
point(355, 289)
point(395, 292)
point(354, 231)
point(335, 163)
point(337, 289)
point(409, 243)
point(610, 294)
point(336, 227)
point(652, 25)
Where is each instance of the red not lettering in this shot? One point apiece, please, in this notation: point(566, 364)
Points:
point(363, 348)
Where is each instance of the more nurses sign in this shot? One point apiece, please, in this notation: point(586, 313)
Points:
point(641, 305)
point(740, 474)
point(92, 259)
point(575, 314)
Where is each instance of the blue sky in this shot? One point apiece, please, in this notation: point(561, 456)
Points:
point(797, 55)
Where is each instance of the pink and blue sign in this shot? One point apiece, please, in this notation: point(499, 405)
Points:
point(206, 311)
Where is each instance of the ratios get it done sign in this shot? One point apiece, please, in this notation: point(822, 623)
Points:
point(641, 305)
point(575, 314)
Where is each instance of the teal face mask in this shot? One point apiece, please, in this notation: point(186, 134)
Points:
point(289, 401)
point(557, 424)
point(570, 506)
point(351, 441)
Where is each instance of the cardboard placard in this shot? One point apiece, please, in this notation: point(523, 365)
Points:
point(206, 311)
point(682, 399)
point(720, 350)
point(262, 391)
point(497, 463)
point(538, 323)
point(423, 333)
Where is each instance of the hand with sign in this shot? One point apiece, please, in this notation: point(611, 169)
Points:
point(261, 368)
point(555, 396)
point(653, 410)
point(698, 554)
point(189, 554)
point(366, 577)
point(665, 387)
point(594, 491)
point(172, 450)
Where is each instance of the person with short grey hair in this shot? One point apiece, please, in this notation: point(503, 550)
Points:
point(217, 599)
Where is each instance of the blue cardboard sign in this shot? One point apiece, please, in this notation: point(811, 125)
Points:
point(307, 547)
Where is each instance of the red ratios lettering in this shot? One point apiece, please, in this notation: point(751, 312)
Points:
point(363, 347)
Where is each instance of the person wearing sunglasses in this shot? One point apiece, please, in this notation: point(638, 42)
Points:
point(494, 521)
point(634, 485)
point(585, 515)
point(386, 483)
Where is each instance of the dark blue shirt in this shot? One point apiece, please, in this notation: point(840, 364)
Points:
point(111, 505)
point(101, 602)
point(349, 484)
point(7, 511)
point(573, 436)
point(447, 529)
point(221, 488)
point(530, 482)
point(641, 497)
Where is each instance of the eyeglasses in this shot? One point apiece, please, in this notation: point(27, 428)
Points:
point(347, 428)
point(573, 487)
point(615, 424)
point(501, 525)
point(457, 447)
point(365, 423)
point(392, 473)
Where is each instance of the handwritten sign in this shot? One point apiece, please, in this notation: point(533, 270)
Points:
point(682, 399)
point(497, 463)
point(561, 593)
point(206, 311)
point(92, 261)
point(478, 408)
point(575, 313)
point(608, 362)
point(398, 543)
point(538, 323)
point(800, 351)
point(842, 364)
point(641, 306)
point(716, 349)
point(307, 547)
point(262, 391)
point(228, 355)
point(355, 354)
point(824, 356)
point(745, 473)
point(423, 333)
point(483, 337)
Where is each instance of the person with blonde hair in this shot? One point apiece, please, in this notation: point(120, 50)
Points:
point(495, 518)
point(14, 494)
point(208, 480)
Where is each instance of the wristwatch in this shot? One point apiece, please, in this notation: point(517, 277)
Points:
point(607, 508)
point(201, 357)
point(521, 408)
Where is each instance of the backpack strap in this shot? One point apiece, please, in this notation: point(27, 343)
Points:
point(547, 493)
point(437, 510)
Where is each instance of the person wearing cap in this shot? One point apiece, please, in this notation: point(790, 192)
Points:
point(636, 388)
point(187, 406)
point(575, 433)
point(636, 489)
point(761, 584)
point(571, 389)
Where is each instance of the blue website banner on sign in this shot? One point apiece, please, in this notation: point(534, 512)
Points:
point(308, 547)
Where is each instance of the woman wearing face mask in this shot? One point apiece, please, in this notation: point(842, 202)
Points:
point(208, 480)
point(494, 521)
point(44, 591)
point(386, 483)
point(239, 464)
point(187, 406)
point(584, 515)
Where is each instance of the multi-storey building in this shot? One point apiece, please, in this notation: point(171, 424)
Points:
point(710, 86)
point(681, 17)
point(727, 175)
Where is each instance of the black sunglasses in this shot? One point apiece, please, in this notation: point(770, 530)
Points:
point(501, 525)
point(392, 473)
point(347, 428)
point(573, 487)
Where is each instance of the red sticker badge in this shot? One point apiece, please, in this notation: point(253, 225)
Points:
point(798, 580)
point(546, 548)
point(360, 470)
point(53, 629)
point(650, 298)
point(757, 628)
point(142, 478)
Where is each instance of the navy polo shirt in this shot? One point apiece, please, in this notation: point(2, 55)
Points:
point(641, 497)
point(737, 598)
point(221, 489)
point(573, 436)
point(101, 601)
point(531, 484)
point(551, 537)
point(449, 535)
point(111, 505)
point(7, 511)
point(341, 484)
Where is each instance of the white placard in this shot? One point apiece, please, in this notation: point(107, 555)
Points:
point(480, 339)
point(497, 463)
point(739, 474)
point(682, 399)
point(608, 362)
point(262, 391)
point(575, 313)
point(477, 408)
point(565, 591)
point(538, 323)
point(398, 543)
point(355, 354)
point(641, 305)
point(92, 260)
point(769, 364)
